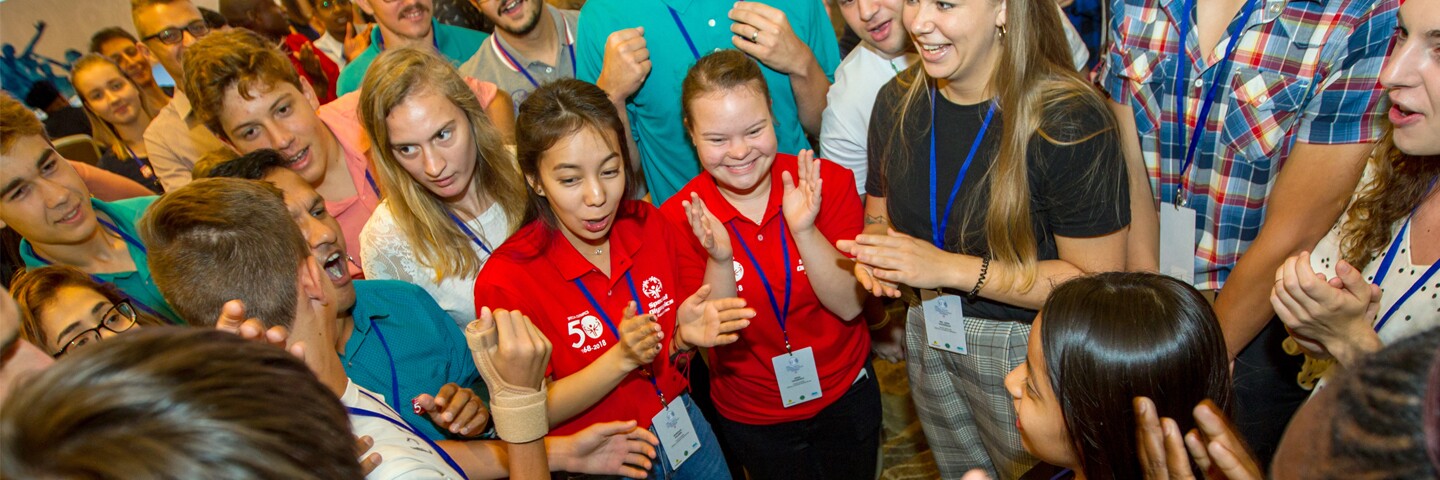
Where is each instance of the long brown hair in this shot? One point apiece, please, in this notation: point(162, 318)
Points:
point(1037, 87)
point(1400, 182)
point(556, 111)
point(422, 218)
point(103, 132)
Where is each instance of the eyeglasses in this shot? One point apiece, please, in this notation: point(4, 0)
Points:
point(173, 35)
point(119, 318)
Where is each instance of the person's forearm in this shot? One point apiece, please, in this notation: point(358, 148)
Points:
point(831, 274)
point(965, 271)
point(528, 461)
point(571, 395)
point(1356, 347)
point(720, 275)
point(809, 88)
point(1309, 195)
point(479, 458)
point(501, 112)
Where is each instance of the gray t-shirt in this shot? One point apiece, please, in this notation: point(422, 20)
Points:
point(491, 65)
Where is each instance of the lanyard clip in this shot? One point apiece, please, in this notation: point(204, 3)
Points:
point(1182, 198)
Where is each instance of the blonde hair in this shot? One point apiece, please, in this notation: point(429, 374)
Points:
point(1037, 87)
point(422, 218)
point(103, 132)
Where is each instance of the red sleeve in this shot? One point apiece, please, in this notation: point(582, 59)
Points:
point(842, 215)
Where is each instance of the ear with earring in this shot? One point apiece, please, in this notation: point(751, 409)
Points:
point(1001, 30)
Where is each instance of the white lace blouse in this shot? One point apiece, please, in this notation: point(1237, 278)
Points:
point(388, 256)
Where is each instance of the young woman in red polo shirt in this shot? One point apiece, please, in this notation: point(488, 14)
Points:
point(794, 395)
point(603, 278)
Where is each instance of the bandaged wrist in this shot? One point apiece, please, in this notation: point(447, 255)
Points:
point(518, 411)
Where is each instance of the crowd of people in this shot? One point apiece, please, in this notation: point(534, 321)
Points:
point(355, 241)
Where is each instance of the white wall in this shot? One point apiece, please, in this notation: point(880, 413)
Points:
point(71, 22)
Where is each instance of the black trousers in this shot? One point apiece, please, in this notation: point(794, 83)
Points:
point(841, 442)
point(1266, 394)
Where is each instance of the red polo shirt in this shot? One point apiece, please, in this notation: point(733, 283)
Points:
point(534, 272)
point(743, 377)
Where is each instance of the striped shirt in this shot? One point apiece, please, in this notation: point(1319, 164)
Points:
point(1304, 70)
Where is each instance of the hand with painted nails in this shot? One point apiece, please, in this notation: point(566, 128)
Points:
point(613, 448)
point(454, 409)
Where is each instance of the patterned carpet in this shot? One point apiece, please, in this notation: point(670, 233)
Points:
point(904, 454)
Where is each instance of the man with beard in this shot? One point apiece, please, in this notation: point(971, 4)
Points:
point(533, 44)
point(405, 23)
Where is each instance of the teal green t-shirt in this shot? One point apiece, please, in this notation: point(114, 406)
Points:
point(404, 345)
point(457, 44)
point(666, 154)
point(138, 285)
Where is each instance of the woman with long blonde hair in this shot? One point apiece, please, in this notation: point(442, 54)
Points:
point(452, 191)
point(996, 174)
point(119, 115)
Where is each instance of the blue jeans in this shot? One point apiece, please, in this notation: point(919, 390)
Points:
point(705, 464)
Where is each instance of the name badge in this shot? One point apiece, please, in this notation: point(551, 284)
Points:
point(944, 321)
point(676, 433)
point(795, 374)
point(1177, 242)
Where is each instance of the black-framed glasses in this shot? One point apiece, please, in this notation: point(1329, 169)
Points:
point(173, 35)
point(119, 318)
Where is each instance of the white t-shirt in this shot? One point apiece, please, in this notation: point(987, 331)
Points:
point(846, 121)
point(403, 454)
point(388, 256)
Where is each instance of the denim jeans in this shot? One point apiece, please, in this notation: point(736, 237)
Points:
point(706, 463)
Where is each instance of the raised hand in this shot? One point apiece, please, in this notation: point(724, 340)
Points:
point(1217, 448)
point(763, 32)
point(612, 448)
point(511, 355)
point(640, 336)
point(356, 41)
point(1161, 449)
point(1337, 313)
point(455, 409)
point(801, 202)
point(707, 229)
point(626, 63)
point(706, 322)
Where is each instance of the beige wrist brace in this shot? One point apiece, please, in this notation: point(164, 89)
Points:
point(518, 412)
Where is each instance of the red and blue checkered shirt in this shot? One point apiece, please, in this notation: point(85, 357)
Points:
point(1304, 70)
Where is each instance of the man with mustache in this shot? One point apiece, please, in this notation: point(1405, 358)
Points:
point(533, 43)
point(405, 23)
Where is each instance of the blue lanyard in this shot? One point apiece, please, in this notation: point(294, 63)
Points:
point(404, 426)
point(139, 163)
point(524, 71)
point(129, 240)
point(939, 224)
point(1390, 259)
point(600, 312)
point(1062, 474)
point(780, 314)
point(473, 237)
point(394, 377)
point(371, 180)
point(684, 33)
point(1222, 71)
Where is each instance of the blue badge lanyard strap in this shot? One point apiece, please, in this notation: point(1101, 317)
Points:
point(1390, 260)
point(683, 32)
point(469, 233)
point(405, 426)
point(1222, 71)
point(141, 163)
point(938, 223)
point(370, 179)
point(781, 314)
point(394, 376)
point(521, 68)
point(640, 307)
point(129, 240)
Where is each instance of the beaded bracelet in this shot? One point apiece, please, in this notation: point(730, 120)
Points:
point(980, 282)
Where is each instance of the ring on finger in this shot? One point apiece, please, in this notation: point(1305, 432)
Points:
point(754, 36)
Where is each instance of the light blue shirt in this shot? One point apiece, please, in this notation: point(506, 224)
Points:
point(456, 43)
point(668, 158)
